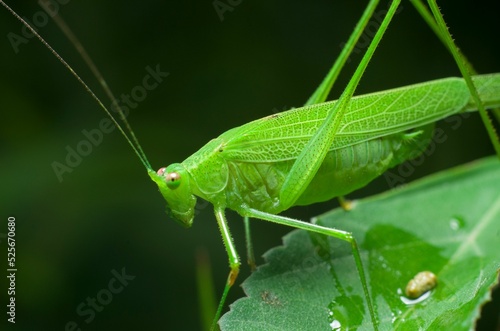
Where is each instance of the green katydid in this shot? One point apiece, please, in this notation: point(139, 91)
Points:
point(235, 154)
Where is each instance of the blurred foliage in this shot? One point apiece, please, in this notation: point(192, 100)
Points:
point(106, 215)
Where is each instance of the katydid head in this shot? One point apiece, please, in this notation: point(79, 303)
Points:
point(173, 182)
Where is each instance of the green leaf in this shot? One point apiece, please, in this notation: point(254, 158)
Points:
point(447, 223)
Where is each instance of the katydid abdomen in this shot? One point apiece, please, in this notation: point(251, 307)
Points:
point(343, 171)
point(379, 131)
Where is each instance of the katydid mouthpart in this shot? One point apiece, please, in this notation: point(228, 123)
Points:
point(311, 154)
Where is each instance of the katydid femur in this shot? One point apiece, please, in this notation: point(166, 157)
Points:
point(320, 151)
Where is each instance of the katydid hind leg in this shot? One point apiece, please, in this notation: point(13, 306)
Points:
point(464, 69)
point(428, 17)
point(321, 93)
point(312, 156)
point(335, 233)
point(249, 244)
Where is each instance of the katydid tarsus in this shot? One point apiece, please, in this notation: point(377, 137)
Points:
point(263, 151)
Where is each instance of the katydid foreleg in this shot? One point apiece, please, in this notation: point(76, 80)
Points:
point(234, 260)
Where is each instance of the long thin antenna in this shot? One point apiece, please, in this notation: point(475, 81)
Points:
point(137, 147)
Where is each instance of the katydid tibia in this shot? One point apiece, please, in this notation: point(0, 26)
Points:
point(319, 151)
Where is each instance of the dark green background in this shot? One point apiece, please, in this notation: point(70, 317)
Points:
point(262, 58)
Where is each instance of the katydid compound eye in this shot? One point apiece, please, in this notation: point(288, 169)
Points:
point(173, 180)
